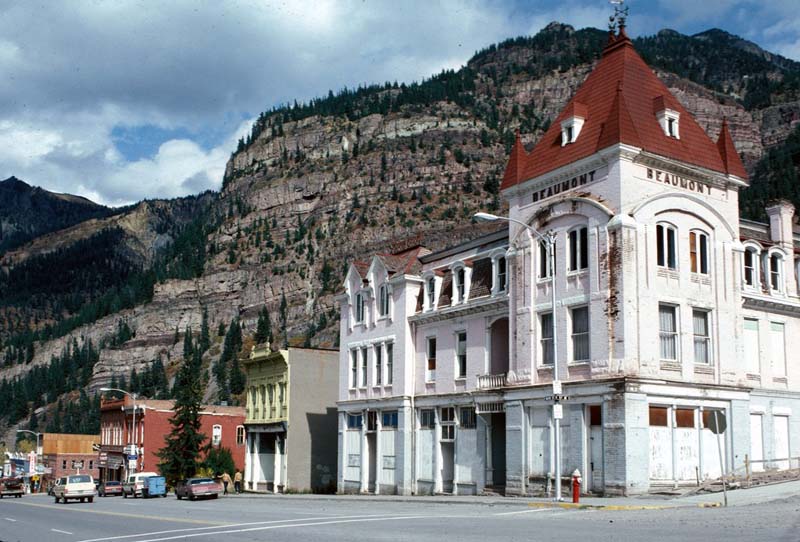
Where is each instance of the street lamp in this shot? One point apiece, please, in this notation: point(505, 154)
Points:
point(550, 243)
point(132, 396)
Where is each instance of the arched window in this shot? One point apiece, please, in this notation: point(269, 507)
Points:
point(544, 260)
point(578, 248)
point(430, 292)
point(751, 267)
point(500, 275)
point(383, 300)
point(698, 252)
point(666, 246)
point(775, 271)
point(359, 308)
point(216, 435)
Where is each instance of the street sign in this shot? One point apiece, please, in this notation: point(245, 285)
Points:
point(556, 398)
point(717, 422)
point(557, 387)
point(132, 457)
point(558, 411)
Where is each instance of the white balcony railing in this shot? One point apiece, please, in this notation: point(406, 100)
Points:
point(488, 382)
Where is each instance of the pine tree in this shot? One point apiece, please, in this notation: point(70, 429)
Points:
point(205, 337)
point(263, 327)
point(283, 309)
point(237, 379)
point(188, 346)
point(180, 456)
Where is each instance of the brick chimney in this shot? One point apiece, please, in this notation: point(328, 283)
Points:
point(781, 219)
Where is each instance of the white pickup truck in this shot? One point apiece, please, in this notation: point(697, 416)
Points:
point(76, 487)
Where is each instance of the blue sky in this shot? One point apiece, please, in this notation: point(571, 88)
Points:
point(122, 100)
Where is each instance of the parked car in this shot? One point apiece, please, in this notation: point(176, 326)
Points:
point(75, 486)
point(154, 486)
point(194, 488)
point(109, 488)
point(135, 483)
point(11, 486)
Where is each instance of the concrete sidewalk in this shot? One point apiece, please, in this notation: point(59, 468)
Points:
point(737, 497)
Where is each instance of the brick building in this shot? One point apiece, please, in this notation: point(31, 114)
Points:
point(64, 454)
point(663, 308)
point(223, 425)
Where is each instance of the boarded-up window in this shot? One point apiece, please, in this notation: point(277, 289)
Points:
point(684, 417)
point(658, 416)
point(751, 348)
point(778, 348)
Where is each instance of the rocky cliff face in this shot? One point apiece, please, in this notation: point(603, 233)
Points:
point(311, 191)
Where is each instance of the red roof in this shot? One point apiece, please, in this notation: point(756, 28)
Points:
point(618, 102)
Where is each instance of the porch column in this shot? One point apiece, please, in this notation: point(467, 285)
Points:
point(378, 465)
point(364, 473)
point(515, 448)
point(437, 452)
point(276, 464)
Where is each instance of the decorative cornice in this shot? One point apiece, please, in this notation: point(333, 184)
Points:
point(471, 307)
point(774, 305)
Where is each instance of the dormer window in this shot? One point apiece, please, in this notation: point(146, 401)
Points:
point(571, 126)
point(668, 118)
point(501, 274)
point(775, 269)
point(461, 280)
point(383, 300)
point(751, 268)
point(430, 293)
point(359, 308)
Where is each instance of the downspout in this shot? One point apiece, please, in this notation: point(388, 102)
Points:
point(413, 413)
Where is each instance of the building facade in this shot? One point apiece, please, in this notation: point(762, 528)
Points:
point(64, 454)
point(222, 425)
point(290, 421)
point(669, 310)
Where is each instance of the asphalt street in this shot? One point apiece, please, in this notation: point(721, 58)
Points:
point(279, 518)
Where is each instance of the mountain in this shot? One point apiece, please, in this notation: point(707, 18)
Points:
point(27, 212)
point(316, 185)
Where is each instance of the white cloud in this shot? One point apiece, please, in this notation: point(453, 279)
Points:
point(72, 72)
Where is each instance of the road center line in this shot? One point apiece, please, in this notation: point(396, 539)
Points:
point(9, 519)
point(522, 512)
point(60, 531)
point(228, 526)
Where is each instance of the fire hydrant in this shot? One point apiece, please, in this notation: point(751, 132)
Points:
point(576, 486)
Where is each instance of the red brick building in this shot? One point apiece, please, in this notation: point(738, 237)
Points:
point(222, 425)
point(64, 454)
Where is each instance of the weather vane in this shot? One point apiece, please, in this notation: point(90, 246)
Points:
point(620, 15)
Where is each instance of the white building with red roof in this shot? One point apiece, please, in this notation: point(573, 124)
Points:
point(668, 309)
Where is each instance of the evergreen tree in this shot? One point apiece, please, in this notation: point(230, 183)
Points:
point(219, 460)
point(205, 336)
point(283, 309)
point(188, 346)
point(263, 327)
point(180, 456)
point(237, 379)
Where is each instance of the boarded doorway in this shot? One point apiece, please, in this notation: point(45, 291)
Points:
point(498, 436)
point(595, 433)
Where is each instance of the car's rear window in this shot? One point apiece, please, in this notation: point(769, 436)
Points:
point(202, 481)
point(109, 484)
point(80, 479)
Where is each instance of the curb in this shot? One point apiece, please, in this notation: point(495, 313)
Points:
point(618, 507)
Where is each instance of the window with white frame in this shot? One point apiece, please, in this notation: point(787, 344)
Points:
point(364, 361)
point(467, 420)
point(427, 418)
point(580, 334)
point(668, 331)
point(430, 351)
point(546, 334)
point(430, 292)
point(698, 252)
point(460, 277)
point(240, 435)
point(383, 300)
point(777, 345)
point(545, 270)
point(359, 308)
point(666, 246)
point(354, 368)
point(377, 370)
point(578, 249)
point(448, 419)
point(702, 338)
point(461, 354)
point(571, 129)
point(500, 274)
point(752, 348)
point(216, 435)
point(751, 267)
point(776, 272)
point(389, 364)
